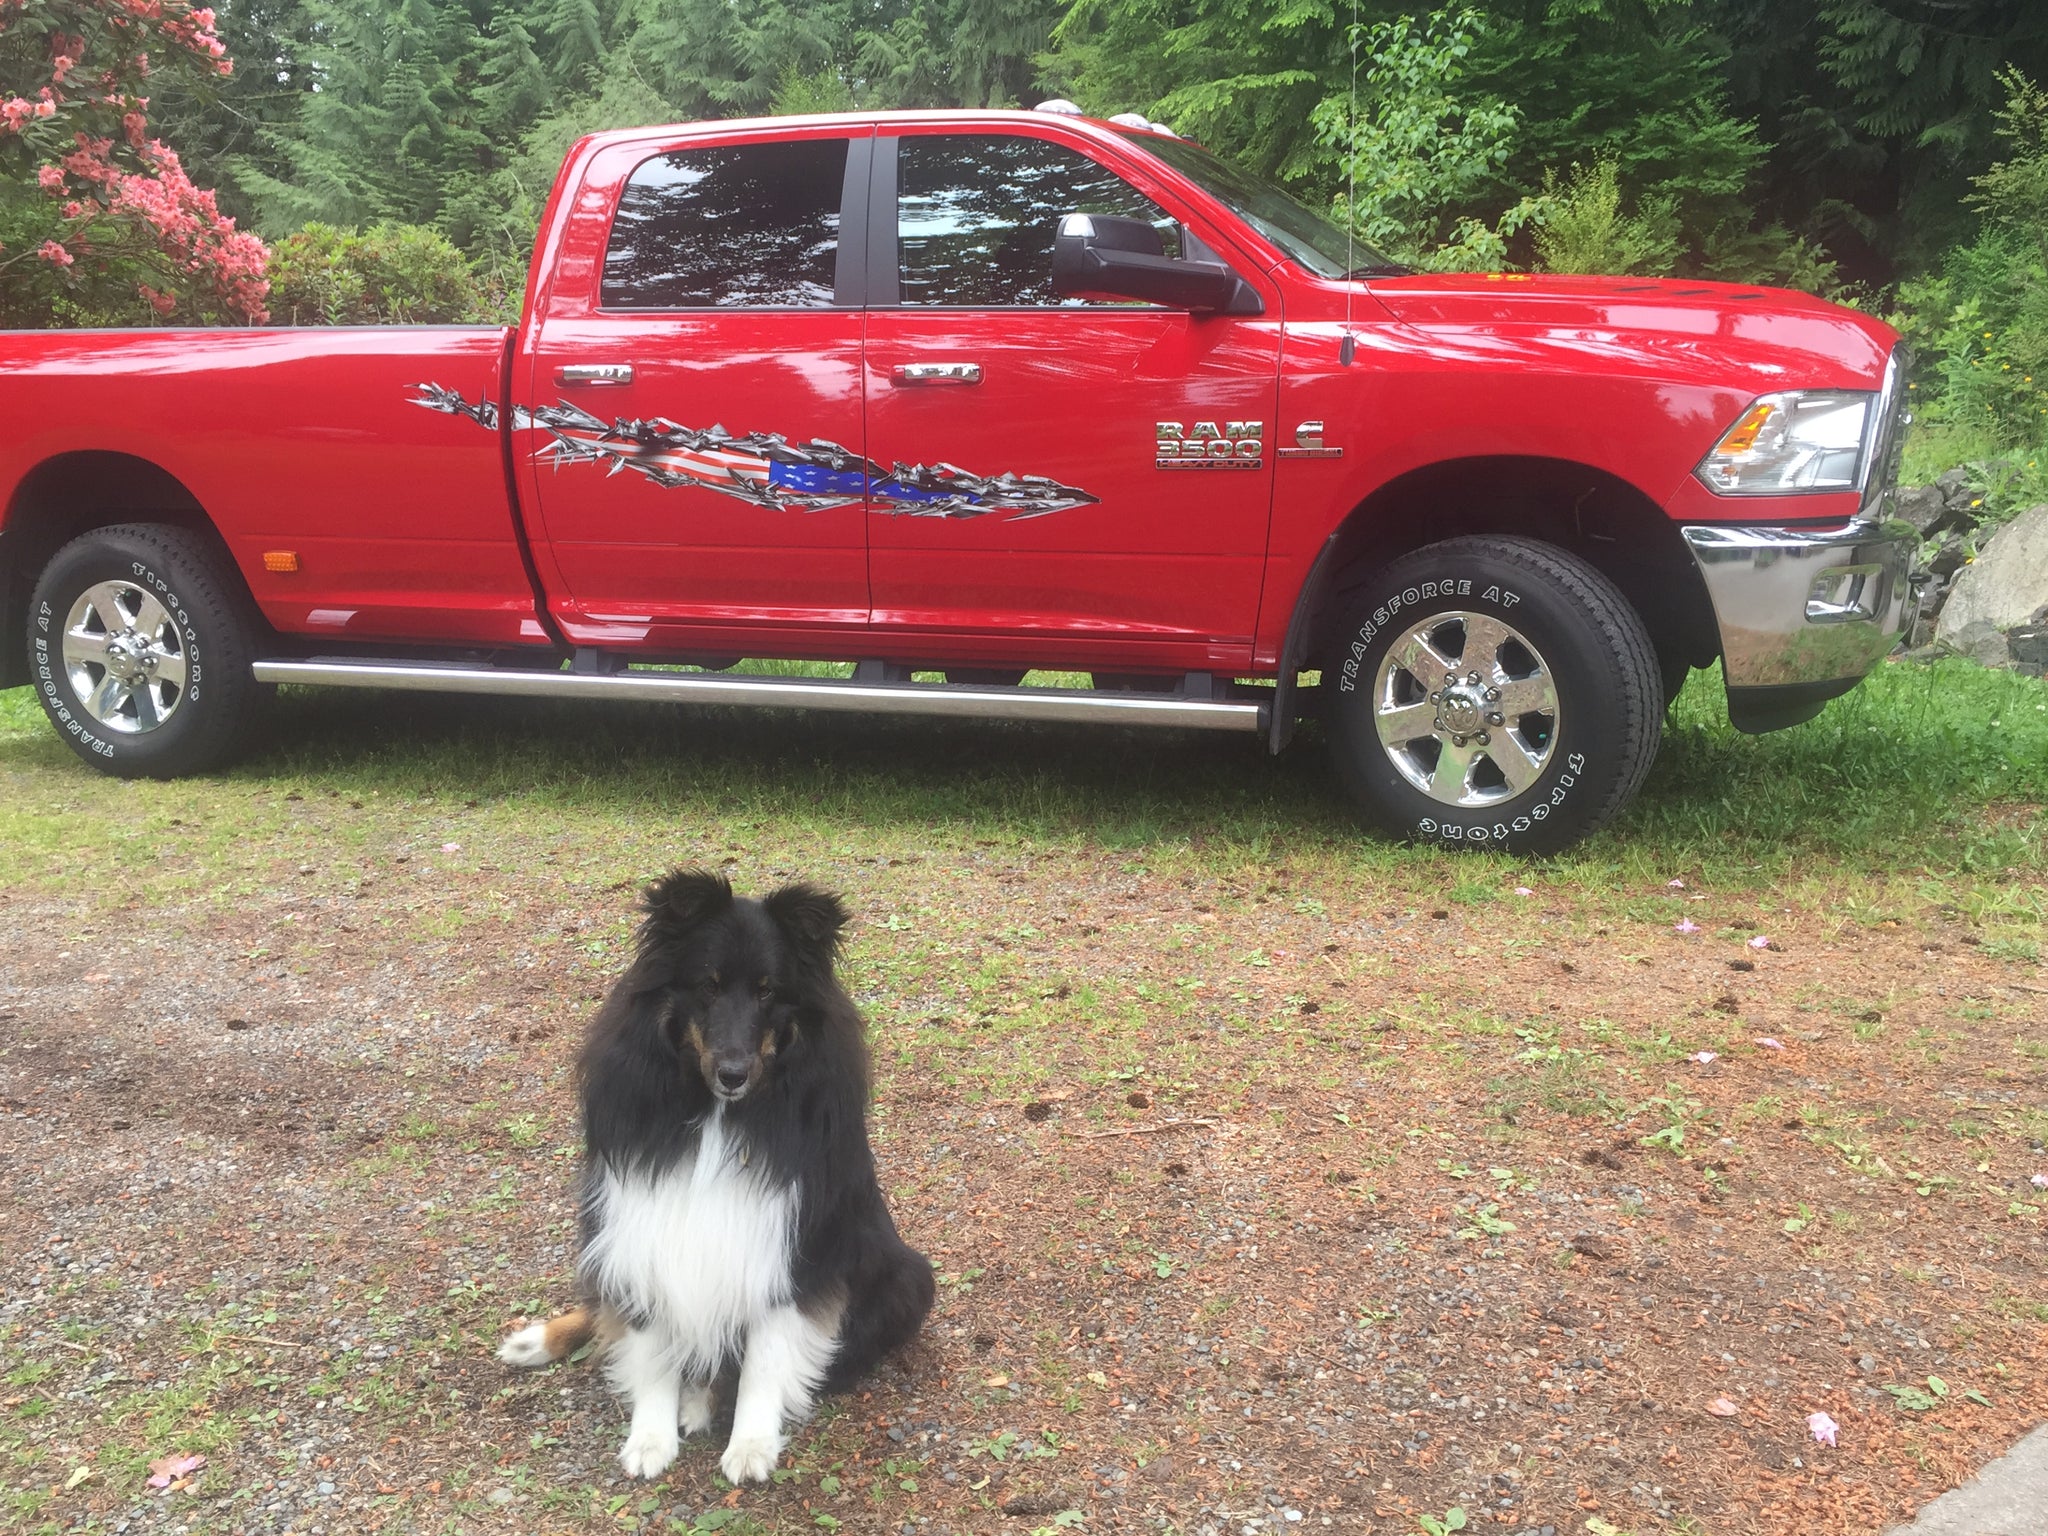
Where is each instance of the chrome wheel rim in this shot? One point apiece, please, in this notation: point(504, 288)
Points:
point(1466, 709)
point(124, 657)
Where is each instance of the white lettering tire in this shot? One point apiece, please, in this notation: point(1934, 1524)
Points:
point(139, 649)
point(1490, 692)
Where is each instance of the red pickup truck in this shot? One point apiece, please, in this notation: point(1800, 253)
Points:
point(974, 394)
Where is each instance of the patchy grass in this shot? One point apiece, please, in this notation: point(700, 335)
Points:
point(1260, 1160)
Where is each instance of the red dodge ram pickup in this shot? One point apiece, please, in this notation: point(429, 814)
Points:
point(975, 393)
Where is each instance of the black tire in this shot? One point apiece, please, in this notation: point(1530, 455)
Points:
point(1572, 638)
point(191, 703)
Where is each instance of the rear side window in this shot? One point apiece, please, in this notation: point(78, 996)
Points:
point(732, 225)
point(976, 215)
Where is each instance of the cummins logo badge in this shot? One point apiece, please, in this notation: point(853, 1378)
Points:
point(1208, 445)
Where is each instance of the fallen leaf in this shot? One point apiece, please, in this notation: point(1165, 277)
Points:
point(1721, 1408)
point(1823, 1427)
point(997, 1381)
point(78, 1475)
point(165, 1469)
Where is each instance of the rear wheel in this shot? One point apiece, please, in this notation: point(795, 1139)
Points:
point(139, 650)
point(1492, 692)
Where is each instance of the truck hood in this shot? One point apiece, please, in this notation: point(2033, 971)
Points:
point(1774, 337)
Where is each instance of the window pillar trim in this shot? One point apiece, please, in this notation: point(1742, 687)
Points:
point(883, 287)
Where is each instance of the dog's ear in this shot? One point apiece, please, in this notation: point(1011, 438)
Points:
point(810, 919)
point(681, 900)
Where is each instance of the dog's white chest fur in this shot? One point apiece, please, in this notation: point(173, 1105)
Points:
point(701, 1250)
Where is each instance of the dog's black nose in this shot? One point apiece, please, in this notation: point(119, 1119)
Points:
point(732, 1079)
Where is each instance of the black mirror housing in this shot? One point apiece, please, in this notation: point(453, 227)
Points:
point(1097, 255)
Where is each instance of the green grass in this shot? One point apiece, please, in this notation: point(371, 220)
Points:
point(1940, 772)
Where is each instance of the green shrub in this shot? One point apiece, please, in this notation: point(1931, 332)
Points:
point(1585, 230)
point(388, 273)
point(1980, 322)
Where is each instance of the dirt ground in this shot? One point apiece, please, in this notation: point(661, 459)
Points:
point(1257, 1203)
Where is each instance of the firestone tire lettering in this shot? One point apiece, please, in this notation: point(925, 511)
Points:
point(218, 705)
point(1609, 695)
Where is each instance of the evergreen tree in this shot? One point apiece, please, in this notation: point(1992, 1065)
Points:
point(395, 116)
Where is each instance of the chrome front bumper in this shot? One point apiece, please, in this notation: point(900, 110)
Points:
point(1801, 612)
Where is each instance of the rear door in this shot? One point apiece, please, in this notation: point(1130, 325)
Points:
point(693, 419)
point(1032, 492)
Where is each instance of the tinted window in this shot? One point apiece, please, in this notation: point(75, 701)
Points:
point(739, 224)
point(976, 215)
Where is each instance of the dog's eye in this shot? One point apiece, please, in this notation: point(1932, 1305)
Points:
point(766, 988)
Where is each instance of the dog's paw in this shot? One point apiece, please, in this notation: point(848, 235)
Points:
point(649, 1450)
point(693, 1416)
point(528, 1347)
point(750, 1458)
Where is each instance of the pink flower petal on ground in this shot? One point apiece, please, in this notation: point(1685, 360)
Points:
point(1523, 890)
point(1769, 1044)
point(165, 1469)
point(1679, 885)
point(1704, 1058)
point(1823, 1427)
point(1721, 1408)
point(1685, 925)
point(1759, 942)
point(451, 847)
point(2039, 1181)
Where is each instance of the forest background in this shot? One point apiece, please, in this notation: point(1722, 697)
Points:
point(305, 162)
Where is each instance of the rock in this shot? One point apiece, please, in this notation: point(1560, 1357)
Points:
point(2007, 583)
point(1951, 557)
point(1921, 505)
point(2028, 645)
point(1982, 642)
point(1954, 487)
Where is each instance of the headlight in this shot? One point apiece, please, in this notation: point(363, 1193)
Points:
point(1806, 440)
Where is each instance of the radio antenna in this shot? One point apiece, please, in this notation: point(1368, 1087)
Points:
point(1348, 347)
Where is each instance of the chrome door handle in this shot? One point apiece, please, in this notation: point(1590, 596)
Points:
point(595, 373)
point(937, 373)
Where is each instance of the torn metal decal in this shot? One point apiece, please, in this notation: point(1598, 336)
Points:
point(765, 468)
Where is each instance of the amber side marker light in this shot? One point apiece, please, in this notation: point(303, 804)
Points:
point(280, 560)
point(1742, 436)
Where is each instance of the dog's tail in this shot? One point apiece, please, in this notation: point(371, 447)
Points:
point(556, 1339)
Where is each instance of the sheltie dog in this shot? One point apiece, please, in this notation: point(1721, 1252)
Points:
point(730, 1214)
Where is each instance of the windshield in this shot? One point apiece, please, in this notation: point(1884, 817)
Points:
point(1308, 237)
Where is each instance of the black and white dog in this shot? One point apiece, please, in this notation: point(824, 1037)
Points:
point(730, 1212)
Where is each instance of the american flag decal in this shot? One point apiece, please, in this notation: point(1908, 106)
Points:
point(765, 468)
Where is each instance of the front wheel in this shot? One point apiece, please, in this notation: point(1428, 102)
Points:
point(1492, 692)
point(139, 650)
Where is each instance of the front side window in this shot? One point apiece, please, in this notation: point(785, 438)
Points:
point(740, 225)
point(976, 215)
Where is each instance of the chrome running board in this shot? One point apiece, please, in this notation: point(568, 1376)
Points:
point(896, 698)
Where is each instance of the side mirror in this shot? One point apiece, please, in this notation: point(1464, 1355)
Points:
point(1102, 256)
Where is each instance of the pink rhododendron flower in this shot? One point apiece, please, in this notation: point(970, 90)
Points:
point(55, 254)
point(50, 178)
point(1704, 1058)
point(1685, 925)
point(2039, 1181)
point(1523, 890)
point(1823, 1427)
point(1759, 942)
point(1676, 885)
point(1769, 1044)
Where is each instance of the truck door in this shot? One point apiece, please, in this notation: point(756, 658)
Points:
point(692, 424)
point(1027, 436)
